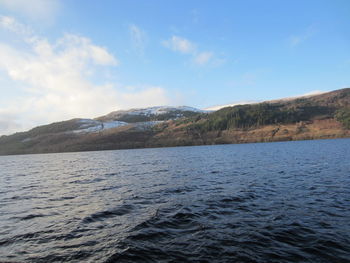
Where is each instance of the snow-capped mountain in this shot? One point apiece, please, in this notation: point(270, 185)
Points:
point(156, 110)
point(140, 119)
point(159, 113)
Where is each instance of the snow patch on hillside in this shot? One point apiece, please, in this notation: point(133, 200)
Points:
point(158, 110)
point(90, 126)
point(218, 107)
point(303, 96)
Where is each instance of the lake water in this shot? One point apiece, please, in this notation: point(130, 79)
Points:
point(267, 202)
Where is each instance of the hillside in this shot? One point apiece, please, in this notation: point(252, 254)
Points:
point(314, 117)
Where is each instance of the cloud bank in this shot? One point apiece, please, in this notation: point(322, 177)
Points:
point(57, 80)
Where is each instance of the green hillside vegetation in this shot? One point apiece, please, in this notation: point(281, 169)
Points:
point(256, 115)
point(343, 116)
point(56, 127)
point(53, 128)
point(284, 112)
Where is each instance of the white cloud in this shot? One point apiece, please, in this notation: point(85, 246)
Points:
point(180, 44)
point(138, 38)
point(199, 58)
point(34, 9)
point(295, 40)
point(9, 23)
point(203, 58)
point(57, 81)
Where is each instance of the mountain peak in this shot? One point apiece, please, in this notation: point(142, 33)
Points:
point(151, 113)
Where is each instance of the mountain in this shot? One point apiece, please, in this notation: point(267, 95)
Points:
point(160, 113)
point(325, 115)
point(85, 134)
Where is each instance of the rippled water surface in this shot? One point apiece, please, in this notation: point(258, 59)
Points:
point(270, 202)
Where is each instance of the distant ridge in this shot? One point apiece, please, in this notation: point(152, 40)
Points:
point(311, 116)
point(307, 95)
point(219, 107)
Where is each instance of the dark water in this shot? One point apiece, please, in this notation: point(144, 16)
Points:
point(275, 202)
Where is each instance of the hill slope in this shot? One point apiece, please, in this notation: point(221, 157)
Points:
point(321, 116)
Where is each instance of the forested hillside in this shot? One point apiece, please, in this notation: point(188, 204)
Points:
point(316, 117)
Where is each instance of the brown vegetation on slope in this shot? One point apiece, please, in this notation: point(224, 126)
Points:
point(318, 117)
point(317, 129)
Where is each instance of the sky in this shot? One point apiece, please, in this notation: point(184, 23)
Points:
point(62, 59)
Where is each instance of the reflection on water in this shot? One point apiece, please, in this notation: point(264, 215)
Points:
point(276, 202)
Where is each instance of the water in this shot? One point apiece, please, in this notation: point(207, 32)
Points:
point(270, 202)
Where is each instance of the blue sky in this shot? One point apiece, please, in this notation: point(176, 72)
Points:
point(66, 59)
